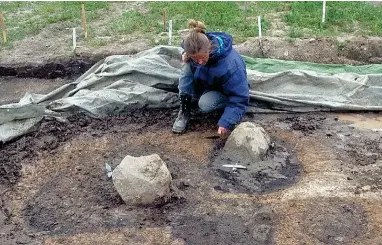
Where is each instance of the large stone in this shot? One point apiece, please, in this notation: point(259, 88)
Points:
point(248, 141)
point(265, 169)
point(142, 180)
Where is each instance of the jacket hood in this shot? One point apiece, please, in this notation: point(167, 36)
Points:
point(222, 44)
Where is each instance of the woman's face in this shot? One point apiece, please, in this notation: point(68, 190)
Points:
point(200, 58)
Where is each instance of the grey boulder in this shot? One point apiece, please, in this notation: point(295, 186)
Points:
point(142, 180)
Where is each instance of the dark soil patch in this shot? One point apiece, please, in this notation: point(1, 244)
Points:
point(364, 152)
point(279, 169)
point(50, 70)
point(53, 133)
point(226, 229)
point(306, 123)
point(339, 223)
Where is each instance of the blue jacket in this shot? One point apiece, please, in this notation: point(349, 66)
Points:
point(225, 72)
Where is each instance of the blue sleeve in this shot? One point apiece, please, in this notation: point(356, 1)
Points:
point(237, 89)
point(186, 80)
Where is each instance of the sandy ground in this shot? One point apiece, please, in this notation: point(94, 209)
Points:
point(61, 195)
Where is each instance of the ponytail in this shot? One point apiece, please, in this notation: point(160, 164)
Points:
point(197, 26)
point(196, 41)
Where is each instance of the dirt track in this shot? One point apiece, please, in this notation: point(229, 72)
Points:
point(61, 195)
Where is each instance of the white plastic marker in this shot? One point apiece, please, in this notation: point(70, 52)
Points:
point(74, 39)
point(234, 166)
point(108, 169)
point(323, 11)
point(259, 25)
point(169, 32)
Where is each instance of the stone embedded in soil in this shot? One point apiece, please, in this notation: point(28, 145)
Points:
point(249, 141)
point(267, 168)
point(142, 180)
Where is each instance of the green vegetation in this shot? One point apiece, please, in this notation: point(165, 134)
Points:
point(29, 18)
point(342, 17)
point(218, 16)
point(301, 19)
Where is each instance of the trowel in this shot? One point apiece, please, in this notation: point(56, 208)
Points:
point(212, 137)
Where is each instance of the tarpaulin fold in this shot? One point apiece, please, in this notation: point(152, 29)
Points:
point(149, 79)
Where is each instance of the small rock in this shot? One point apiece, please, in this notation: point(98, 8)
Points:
point(366, 188)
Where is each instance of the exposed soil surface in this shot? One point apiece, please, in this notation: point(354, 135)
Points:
point(55, 188)
point(12, 89)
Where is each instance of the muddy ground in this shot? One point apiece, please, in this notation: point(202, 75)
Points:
point(55, 188)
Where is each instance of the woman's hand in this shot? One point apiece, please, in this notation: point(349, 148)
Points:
point(223, 132)
point(185, 58)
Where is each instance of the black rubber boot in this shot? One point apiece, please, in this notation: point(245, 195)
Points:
point(181, 122)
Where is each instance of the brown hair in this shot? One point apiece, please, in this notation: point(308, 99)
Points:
point(196, 41)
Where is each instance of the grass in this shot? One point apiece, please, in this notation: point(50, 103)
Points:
point(302, 19)
point(341, 18)
point(24, 19)
point(218, 16)
point(240, 18)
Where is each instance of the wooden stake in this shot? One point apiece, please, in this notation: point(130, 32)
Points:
point(164, 20)
point(245, 12)
point(3, 28)
point(84, 20)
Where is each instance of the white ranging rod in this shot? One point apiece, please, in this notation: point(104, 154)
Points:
point(170, 32)
point(323, 11)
